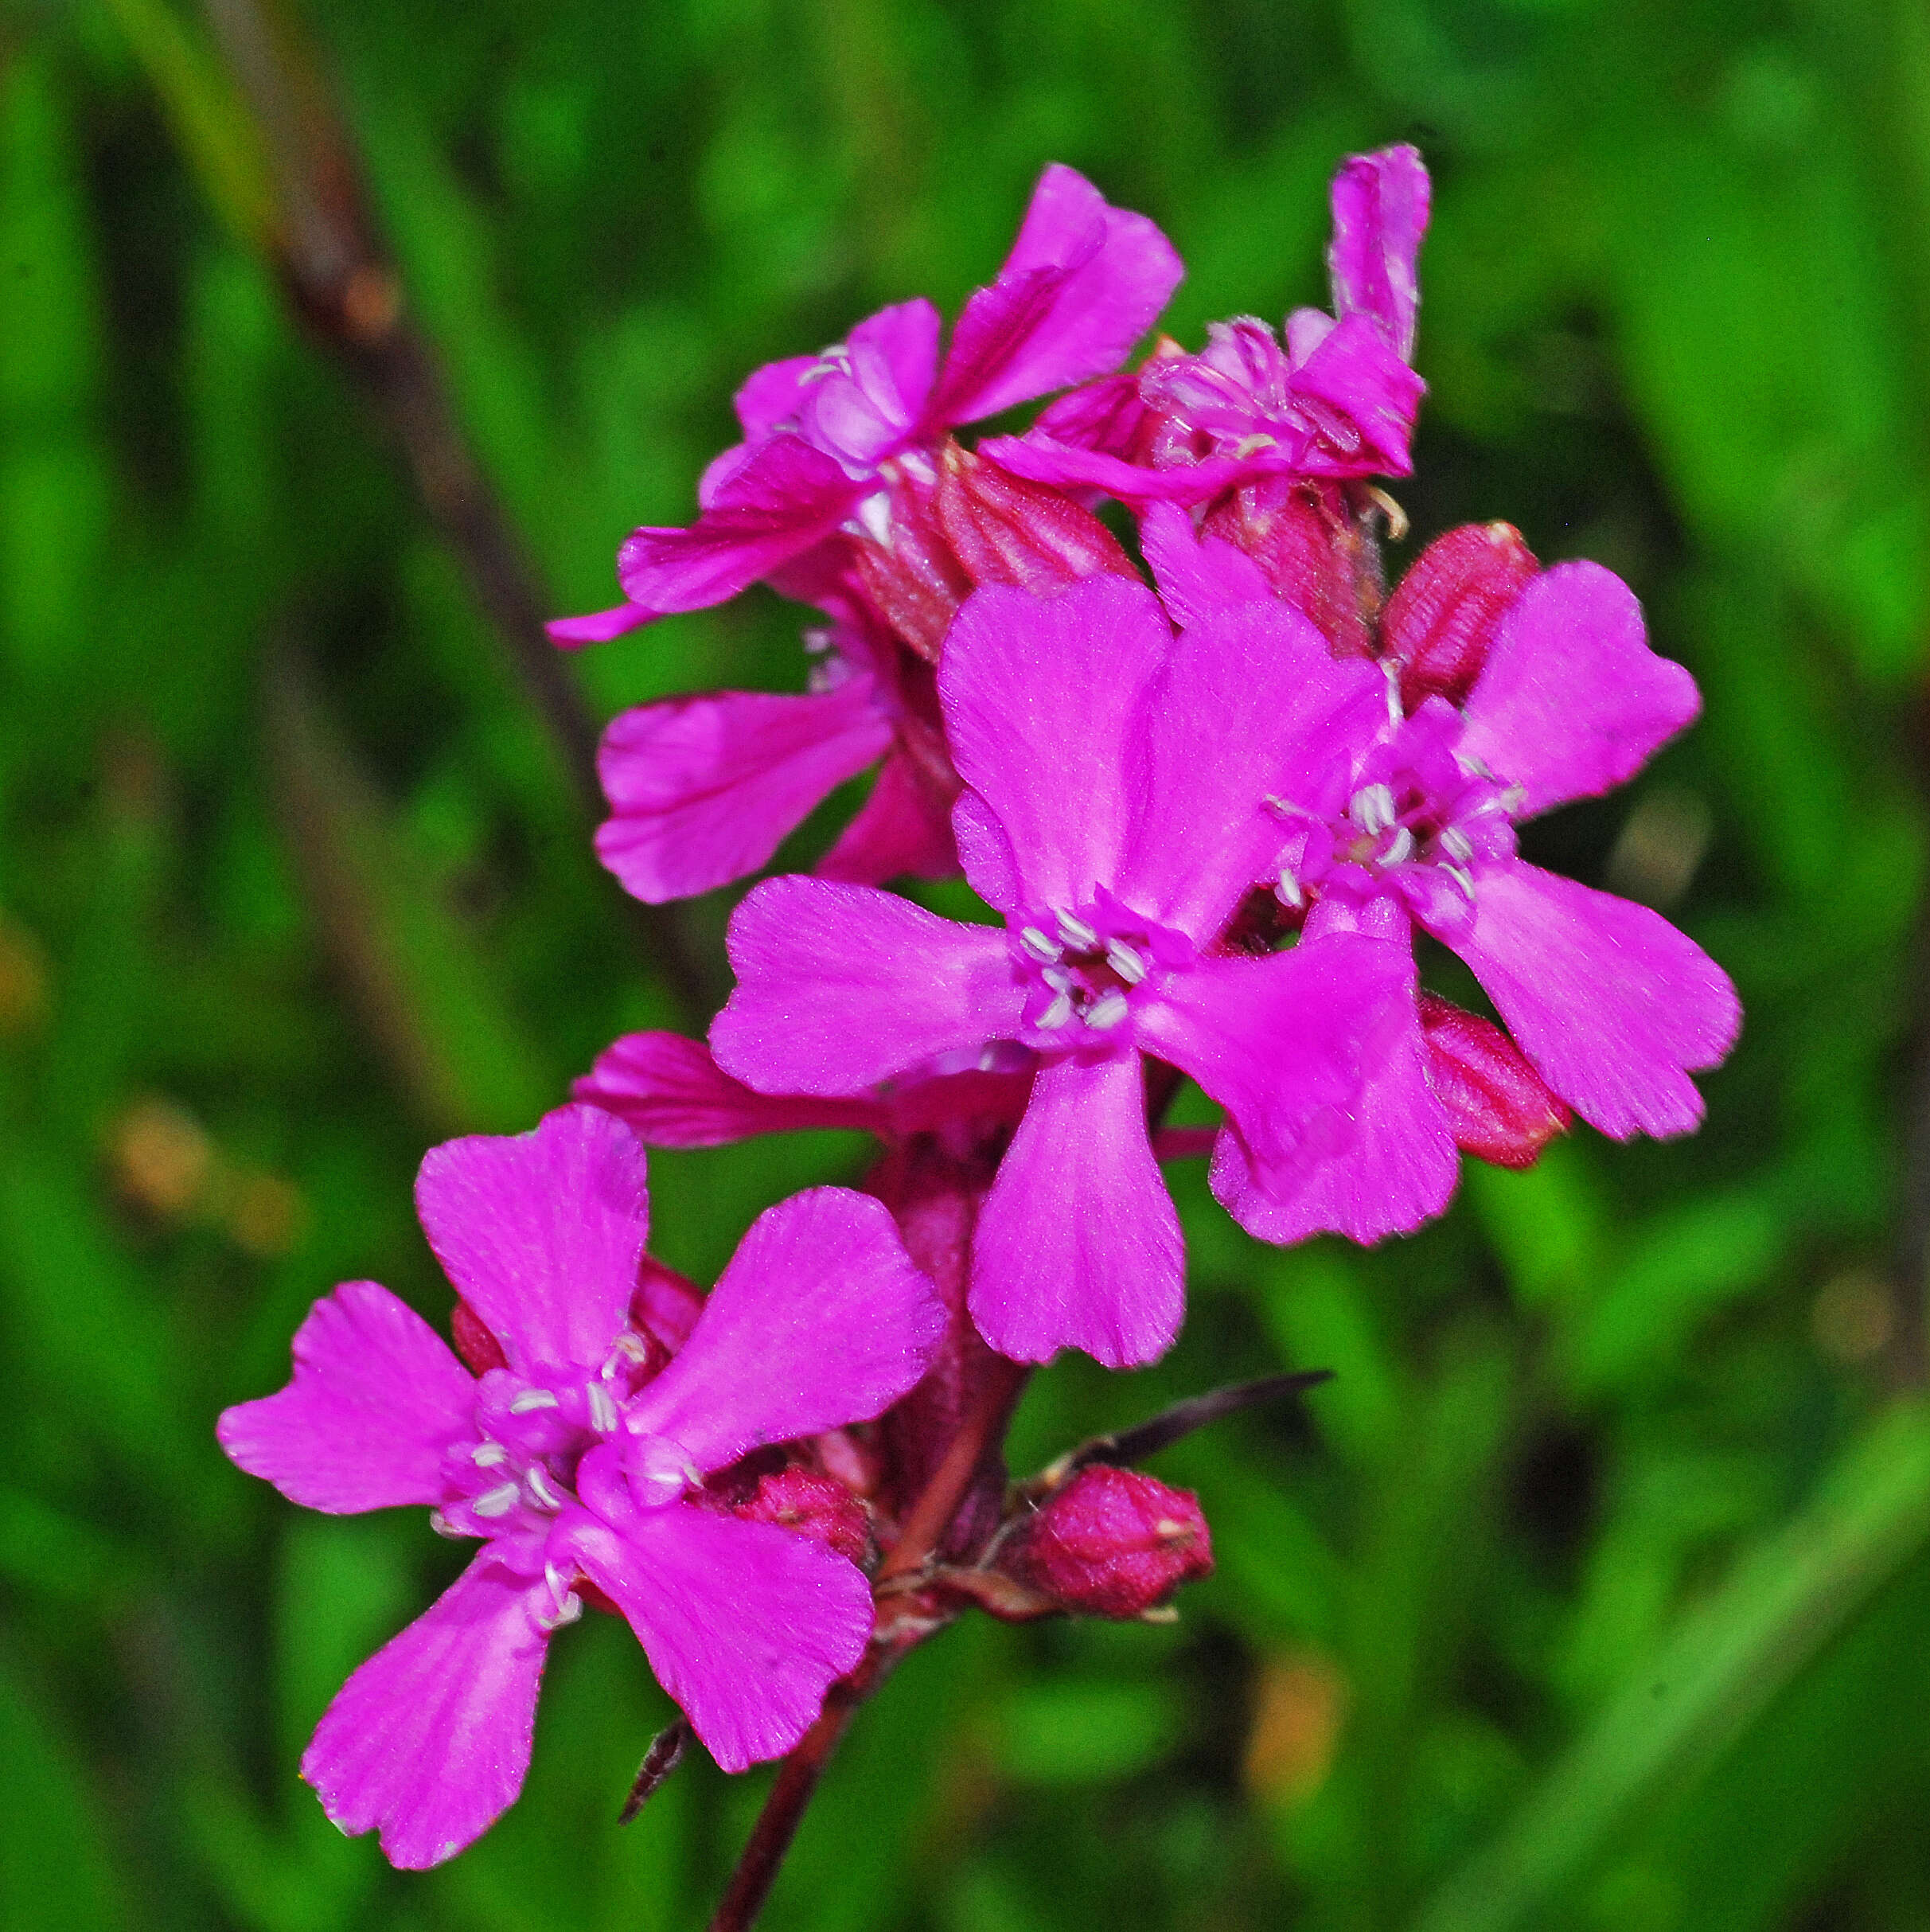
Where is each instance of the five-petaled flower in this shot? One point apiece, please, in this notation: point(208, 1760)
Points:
point(580, 1462)
point(1115, 814)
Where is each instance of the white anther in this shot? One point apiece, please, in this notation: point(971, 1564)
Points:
point(568, 1611)
point(1457, 844)
point(1248, 445)
point(499, 1501)
point(629, 1347)
point(1288, 891)
point(1391, 671)
point(1513, 799)
point(1400, 848)
point(1076, 932)
point(545, 1497)
point(1038, 945)
point(1371, 808)
point(558, 1588)
point(1107, 1011)
point(875, 516)
point(1058, 1013)
point(533, 1398)
point(1474, 766)
point(486, 1455)
point(1125, 961)
point(835, 360)
point(602, 1411)
point(917, 465)
point(818, 639)
point(443, 1527)
point(1058, 978)
point(1460, 879)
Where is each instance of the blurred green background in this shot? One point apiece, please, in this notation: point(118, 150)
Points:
point(1595, 1593)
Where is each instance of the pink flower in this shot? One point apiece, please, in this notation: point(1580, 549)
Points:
point(1612, 1006)
point(1082, 284)
point(580, 1469)
point(1114, 816)
point(1336, 398)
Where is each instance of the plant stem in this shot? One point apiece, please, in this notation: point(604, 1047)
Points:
point(924, 1528)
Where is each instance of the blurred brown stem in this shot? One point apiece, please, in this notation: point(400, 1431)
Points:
point(325, 247)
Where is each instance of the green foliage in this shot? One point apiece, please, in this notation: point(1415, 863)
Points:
point(1594, 1592)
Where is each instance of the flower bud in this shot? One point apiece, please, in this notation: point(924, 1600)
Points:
point(813, 1505)
point(1112, 1543)
point(912, 578)
point(1004, 529)
point(1500, 1109)
point(1441, 618)
point(474, 1343)
point(1314, 554)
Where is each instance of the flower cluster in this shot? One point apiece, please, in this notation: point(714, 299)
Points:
point(1208, 783)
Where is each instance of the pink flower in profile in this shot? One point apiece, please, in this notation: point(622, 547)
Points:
point(1114, 816)
point(1336, 398)
point(1613, 1007)
point(580, 1468)
point(1083, 281)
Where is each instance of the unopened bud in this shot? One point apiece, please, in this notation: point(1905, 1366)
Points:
point(816, 1506)
point(474, 1343)
point(914, 580)
point(1441, 618)
point(1005, 529)
point(1112, 1543)
point(1500, 1108)
point(1313, 553)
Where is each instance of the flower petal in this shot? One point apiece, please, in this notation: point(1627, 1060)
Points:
point(1196, 576)
point(746, 1625)
point(1082, 284)
point(819, 1320)
point(702, 790)
point(1043, 459)
point(1355, 373)
point(1613, 1006)
point(600, 627)
point(1078, 1245)
point(1280, 1042)
point(672, 1094)
point(1397, 1168)
point(1380, 203)
point(839, 987)
point(903, 830)
point(783, 499)
point(860, 411)
point(1571, 701)
point(770, 397)
point(541, 1232)
point(377, 1399)
point(429, 1740)
point(1041, 698)
point(1249, 704)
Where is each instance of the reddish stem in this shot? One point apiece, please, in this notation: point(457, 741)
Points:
point(924, 1528)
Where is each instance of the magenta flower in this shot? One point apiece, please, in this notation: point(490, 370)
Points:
point(1114, 817)
point(1336, 398)
point(1613, 1007)
point(580, 1469)
point(1082, 284)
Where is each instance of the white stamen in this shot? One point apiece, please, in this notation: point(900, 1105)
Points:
point(1248, 445)
point(1288, 891)
point(1457, 844)
point(1125, 961)
point(1058, 1013)
point(1107, 1011)
point(835, 360)
point(1391, 671)
point(1076, 932)
point(1474, 766)
point(1038, 945)
point(1400, 848)
point(629, 1347)
point(602, 1411)
point(818, 639)
point(917, 465)
point(1371, 808)
point(874, 515)
point(1460, 879)
point(989, 1059)
point(486, 1455)
point(558, 1588)
point(545, 1498)
point(499, 1501)
point(443, 1527)
point(568, 1611)
point(533, 1398)
point(1058, 978)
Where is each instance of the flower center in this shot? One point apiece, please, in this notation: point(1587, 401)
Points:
point(1085, 965)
